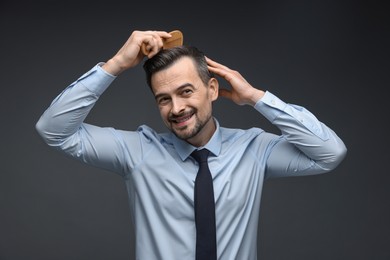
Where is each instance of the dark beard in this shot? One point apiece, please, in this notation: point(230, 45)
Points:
point(196, 130)
point(198, 127)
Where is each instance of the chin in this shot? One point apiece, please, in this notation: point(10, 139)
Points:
point(186, 134)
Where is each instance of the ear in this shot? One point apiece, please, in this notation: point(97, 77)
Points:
point(213, 89)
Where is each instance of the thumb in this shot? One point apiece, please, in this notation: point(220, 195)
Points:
point(225, 93)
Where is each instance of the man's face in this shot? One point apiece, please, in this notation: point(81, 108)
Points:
point(185, 102)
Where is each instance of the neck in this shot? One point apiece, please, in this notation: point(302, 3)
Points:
point(204, 135)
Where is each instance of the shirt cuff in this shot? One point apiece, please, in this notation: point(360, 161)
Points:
point(268, 101)
point(97, 80)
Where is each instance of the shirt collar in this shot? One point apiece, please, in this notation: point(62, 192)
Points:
point(185, 149)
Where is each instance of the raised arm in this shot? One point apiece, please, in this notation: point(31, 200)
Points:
point(306, 146)
point(242, 93)
point(62, 124)
point(130, 54)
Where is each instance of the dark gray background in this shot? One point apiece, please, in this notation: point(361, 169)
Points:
point(329, 56)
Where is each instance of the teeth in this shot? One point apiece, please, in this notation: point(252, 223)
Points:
point(182, 119)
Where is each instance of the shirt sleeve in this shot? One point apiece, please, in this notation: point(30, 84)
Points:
point(306, 145)
point(62, 125)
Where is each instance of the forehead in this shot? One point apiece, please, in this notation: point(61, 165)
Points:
point(181, 71)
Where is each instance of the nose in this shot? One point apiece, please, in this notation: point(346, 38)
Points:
point(178, 106)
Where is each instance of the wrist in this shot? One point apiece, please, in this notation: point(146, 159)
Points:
point(256, 96)
point(113, 67)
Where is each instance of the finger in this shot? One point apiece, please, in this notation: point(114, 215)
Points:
point(146, 47)
point(222, 72)
point(151, 44)
point(159, 34)
point(163, 34)
point(215, 64)
point(219, 69)
point(156, 47)
point(225, 93)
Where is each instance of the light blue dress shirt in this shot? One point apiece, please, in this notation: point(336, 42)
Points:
point(159, 172)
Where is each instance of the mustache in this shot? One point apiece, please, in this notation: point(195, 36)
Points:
point(173, 117)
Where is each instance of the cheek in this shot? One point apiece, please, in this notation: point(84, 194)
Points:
point(205, 108)
point(164, 112)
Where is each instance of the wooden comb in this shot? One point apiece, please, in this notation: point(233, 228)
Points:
point(175, 40)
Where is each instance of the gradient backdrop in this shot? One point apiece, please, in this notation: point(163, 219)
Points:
point(329, 56)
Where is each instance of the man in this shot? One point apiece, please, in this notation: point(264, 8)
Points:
point(159, 169)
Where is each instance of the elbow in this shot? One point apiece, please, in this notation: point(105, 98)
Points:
point(340, 154)
point(337, 156)
point(42, 127)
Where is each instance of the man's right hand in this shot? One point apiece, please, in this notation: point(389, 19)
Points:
point(131, 54)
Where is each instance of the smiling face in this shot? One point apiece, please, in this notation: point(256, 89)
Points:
point(185, 102)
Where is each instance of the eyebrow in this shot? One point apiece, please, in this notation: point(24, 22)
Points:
point(178, 89)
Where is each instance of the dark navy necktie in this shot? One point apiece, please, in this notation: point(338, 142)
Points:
point(206, 242)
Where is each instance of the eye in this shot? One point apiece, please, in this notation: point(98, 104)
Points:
point(187, 92)
point(163, 100)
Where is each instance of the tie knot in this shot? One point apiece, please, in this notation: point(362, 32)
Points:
point(200, 155)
